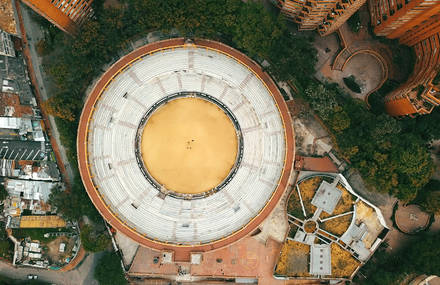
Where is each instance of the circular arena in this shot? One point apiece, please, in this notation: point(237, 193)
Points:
point(185, 145)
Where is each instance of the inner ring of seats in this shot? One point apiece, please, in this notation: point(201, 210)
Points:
point(144, 121)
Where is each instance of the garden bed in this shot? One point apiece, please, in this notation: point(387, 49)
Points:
point(294, 260)
point(294, 205)
point(343, 263)
point(337, 226)
point(308, 189)
point(292, 230)
point(38, 234)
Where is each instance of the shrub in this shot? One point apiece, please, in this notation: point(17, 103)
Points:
point(109, 270)
point(350, 82)
point(93, 241)
point(354, 22)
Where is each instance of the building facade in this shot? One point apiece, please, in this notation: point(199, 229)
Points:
point(323, 16)
point(67, 15)
point(416, 24)
point(394, 19)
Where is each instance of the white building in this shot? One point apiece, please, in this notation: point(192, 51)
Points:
point(27, 189)
point(6, 45)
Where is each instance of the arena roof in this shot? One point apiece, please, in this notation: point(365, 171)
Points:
point(116, 178)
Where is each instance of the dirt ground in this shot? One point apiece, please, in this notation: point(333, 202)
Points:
point(53, 248)
point(189, 145)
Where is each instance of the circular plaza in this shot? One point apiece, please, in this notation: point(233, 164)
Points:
point(185, 145)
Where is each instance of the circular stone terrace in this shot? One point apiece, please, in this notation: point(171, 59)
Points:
point(155, 98)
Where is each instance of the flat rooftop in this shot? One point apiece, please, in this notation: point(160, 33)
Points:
point(246, 258)
point(327, 197)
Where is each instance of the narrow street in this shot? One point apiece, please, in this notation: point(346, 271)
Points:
point(83, 274)
point(34, 34)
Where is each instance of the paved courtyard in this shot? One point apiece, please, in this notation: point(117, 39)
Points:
point(367, 72)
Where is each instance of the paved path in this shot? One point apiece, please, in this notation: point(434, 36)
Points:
point(411, 218)
point(81, 275)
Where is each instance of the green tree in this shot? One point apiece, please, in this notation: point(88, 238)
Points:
point(339, 121)
point(5, 247)
point(429, 197)
point(58, 107)
point(389, 158)
point(256, 30)
point(94, 241)
point(425, 126)
point(292, 57)
point(3, 192)
point(416, 258)
point(322, 100)
point(74, 203)
point(432, 202)
point(108, 271)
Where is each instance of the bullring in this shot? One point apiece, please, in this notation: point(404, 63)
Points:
point(132, 198)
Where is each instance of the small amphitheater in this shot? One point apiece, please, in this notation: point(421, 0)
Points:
point(185, 145)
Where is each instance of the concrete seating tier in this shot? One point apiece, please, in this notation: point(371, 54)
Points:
point(119, 179)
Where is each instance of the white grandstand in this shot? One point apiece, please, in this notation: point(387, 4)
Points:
point(111, 146)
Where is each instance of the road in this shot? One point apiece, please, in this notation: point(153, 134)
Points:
point(34, 34)
point(83, 274)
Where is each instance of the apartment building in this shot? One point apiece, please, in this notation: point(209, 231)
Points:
point(416, 24)
point(323, 16)
point(67, 15)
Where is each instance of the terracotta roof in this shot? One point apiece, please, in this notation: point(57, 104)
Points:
point(321, 164)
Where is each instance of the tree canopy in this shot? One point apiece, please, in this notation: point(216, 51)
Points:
point(245, 26)
point(429, 197)
point(74, 203)
point(94, 241)
point(3, 192)
point(390, 157)
point(419, 257)
point(108, 271)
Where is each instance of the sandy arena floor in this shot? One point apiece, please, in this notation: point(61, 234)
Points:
point(189, 145)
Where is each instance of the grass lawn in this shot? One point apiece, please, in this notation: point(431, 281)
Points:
point(294, 205)
point(38, 234)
